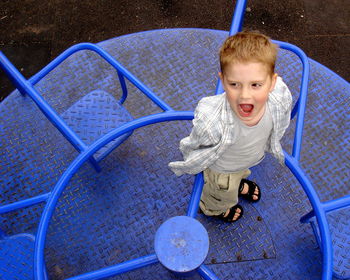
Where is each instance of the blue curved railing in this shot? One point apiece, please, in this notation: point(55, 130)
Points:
point(27, 87)
point(292, 161)
point(67, 175)
point(236, 26)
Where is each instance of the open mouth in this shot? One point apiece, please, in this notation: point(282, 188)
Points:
point(246, 109)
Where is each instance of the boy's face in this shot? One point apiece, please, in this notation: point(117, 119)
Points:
point(247, 87)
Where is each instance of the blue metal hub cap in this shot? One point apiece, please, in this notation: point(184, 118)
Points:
point(181, 244)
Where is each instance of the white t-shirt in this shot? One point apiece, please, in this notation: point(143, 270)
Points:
point(249, 149)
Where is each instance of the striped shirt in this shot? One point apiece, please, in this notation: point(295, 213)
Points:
point(214, 129)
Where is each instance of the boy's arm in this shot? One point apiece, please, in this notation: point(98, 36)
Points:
point(199, 137)
point(286, 110)
point(282, 100)
point(194, 147)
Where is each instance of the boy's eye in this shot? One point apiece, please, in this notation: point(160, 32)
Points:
point(255, 85)
point(234, 84)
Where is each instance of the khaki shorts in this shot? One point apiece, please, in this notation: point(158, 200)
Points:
point(220, 191)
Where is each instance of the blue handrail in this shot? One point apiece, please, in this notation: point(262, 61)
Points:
point(24, 203)
point(27, 87)
point(328, 206)
point(238, 17)
point(292, 161)
point(206, 273)
point(301, 103)
point(75, 165)
point(118, 268)
point(293, 165)
point(119, 67)
point(236, 26)
point(196, 195)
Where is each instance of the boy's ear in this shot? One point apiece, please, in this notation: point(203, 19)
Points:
point(274, 80)
point(221, 76)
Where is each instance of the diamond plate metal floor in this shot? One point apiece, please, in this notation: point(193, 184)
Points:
point(109, 217)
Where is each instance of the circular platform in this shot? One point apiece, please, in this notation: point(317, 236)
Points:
point(107, 218)
point(181, 244)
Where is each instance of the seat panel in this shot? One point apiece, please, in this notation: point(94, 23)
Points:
point(94, 115)
point(16, 257)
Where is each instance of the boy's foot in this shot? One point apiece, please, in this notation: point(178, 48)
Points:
point(249, 190)
point(233, 214)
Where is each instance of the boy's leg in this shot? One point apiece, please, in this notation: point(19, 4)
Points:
point(220, 191)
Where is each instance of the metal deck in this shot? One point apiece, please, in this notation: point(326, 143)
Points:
point(112, 216)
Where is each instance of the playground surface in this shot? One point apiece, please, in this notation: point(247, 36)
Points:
point(110, 217)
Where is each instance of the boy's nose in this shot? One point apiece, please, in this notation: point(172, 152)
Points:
point(245, 93)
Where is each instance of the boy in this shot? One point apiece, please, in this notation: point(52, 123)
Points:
point(231, 131)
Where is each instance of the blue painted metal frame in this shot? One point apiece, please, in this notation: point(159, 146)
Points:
point(27, 87)
point(24, 203)
point(292, 161)
point(67, 175)
point(236, 26)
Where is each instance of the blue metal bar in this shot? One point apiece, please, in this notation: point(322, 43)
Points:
point(306, 218)
point(124, 88)
point(301, 103)
point(337, 203)
point(236, 26)
point(121, 69)
point(316, 234)
point(206, 273)
point(46, 277)
point(320, 214)
point(95, 164)
point(295, 109)
point(24, 203)
point(117, 269)
point(328, 207)
point(195, 196)
point(238, 16)
point(75, 165)
point(26, 87)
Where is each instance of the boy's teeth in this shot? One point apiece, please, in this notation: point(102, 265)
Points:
point(246, 107)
